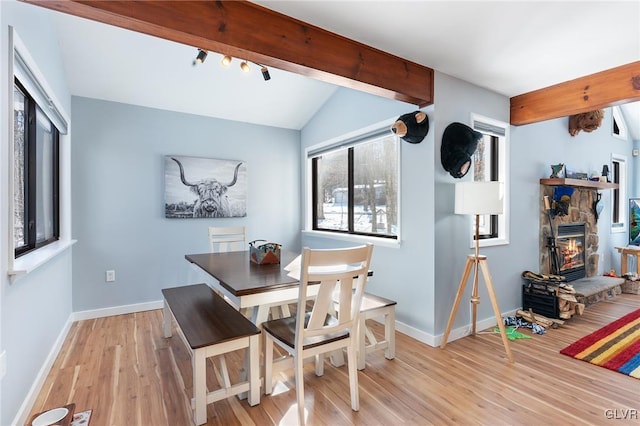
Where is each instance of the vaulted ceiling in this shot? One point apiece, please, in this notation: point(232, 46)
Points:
point(508, 47)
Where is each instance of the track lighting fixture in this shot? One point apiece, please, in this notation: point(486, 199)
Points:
point(226, 60)
point(202, 55)
point(265, 73)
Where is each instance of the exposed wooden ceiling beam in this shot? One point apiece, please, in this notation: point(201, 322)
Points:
point(245, 30)
point(600, 90)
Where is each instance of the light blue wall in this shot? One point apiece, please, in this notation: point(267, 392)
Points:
point(455, 101)
point(118, 211)
point(34, 308)
point(405, 273)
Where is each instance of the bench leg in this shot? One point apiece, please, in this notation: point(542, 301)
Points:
point(389, 333)
point(199, 365)
point(362, 352)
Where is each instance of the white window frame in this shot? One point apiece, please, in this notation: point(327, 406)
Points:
point(618, 117)
point(22, 64)
point(481, 123)
point(623, 200)
point(308, 196)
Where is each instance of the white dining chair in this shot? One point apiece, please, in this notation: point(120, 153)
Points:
point(224, 239)
point(314, 331)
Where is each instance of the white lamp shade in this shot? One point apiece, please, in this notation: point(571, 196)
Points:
point(479, 198)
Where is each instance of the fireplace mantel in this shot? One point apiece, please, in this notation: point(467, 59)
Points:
point(583, 183)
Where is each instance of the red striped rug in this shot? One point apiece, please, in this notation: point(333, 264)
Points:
point(615, 346)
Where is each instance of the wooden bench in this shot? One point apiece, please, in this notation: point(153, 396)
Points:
point(209, 326)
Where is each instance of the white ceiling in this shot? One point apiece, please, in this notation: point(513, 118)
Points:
point(510, 47)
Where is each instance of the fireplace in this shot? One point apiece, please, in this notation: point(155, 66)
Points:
point(570, 243)
point(579, 221)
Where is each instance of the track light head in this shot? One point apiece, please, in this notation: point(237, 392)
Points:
point(226, 60)
point(244, 66)
point(265, 73)
point(202, 55)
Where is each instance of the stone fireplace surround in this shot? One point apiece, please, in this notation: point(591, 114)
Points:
point(580, 211)
point(594, 287)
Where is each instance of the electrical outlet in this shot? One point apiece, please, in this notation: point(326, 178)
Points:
point(110, 276)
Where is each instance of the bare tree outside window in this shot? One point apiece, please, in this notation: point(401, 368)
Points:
point(35, 175)
point(19, 130)
point(356, 188)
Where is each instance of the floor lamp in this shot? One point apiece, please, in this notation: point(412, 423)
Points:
point(478, 198)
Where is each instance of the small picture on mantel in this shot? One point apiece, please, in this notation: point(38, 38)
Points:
point(557, 171)
point(204, 187)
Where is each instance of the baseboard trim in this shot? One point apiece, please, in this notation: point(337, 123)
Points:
point(455, 334)
point(117, 310)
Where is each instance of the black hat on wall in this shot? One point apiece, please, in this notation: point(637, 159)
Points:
point(459, 142)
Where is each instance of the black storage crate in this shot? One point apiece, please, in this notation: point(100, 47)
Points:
point(541, 298)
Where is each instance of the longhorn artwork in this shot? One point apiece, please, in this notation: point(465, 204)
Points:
point(204, 187)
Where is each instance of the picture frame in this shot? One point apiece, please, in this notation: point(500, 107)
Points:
point(634, 221)
point(196, 187)
point(557, 171)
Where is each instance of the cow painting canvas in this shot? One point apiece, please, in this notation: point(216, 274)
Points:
point(204, 187)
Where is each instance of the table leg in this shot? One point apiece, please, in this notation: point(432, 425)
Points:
point(254, 370)
point(166, 320)
point(259, 314)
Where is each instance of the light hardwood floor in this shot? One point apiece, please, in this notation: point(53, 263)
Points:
point(128, 374)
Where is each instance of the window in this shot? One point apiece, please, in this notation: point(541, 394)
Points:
point(355, 185)
point(619, 202)
point(36, 183)
point(619, 127)
point(490, 164)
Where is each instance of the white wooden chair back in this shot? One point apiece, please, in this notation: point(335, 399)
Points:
point(224, 239)
point(339, 272)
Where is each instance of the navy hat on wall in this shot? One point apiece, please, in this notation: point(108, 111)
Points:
point(459, 142)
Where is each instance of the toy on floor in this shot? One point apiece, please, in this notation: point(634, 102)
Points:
point(512, 333)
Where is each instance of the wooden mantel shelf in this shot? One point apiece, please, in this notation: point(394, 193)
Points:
point(579, 183)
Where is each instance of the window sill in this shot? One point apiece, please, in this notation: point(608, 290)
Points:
point(618, 229)
point(491, 242)
point(360, 239)
point(29, 262)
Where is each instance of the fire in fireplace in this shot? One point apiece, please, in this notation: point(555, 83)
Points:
point(570, 244)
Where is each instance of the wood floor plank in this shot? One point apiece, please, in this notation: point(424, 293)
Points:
point(124, 370)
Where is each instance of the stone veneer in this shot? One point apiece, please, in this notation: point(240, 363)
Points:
point(580, 211)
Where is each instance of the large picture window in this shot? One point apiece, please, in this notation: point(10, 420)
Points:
point(355, 186)
point(36, 174)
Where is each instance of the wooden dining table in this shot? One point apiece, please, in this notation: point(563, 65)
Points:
point(249, 286)
point(254, 288)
